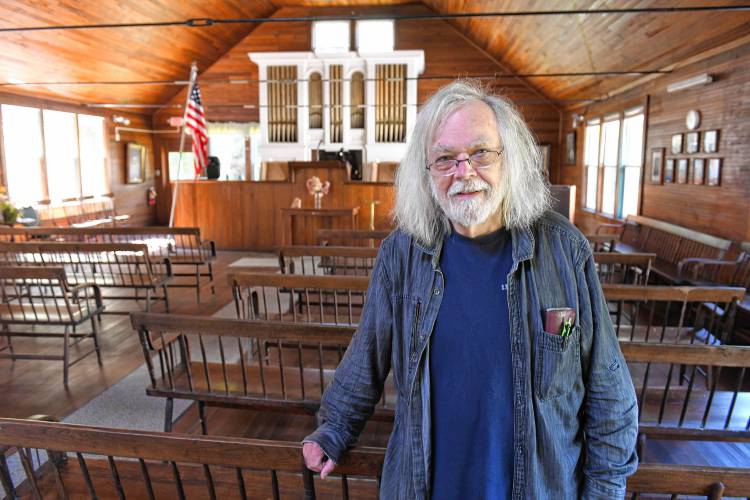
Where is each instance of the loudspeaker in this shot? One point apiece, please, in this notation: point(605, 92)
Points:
point(213, 169)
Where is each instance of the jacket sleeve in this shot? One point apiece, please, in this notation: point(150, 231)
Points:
point(357, 385)
point(610, 421)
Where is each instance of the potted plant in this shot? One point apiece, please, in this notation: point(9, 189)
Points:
point(9, 211)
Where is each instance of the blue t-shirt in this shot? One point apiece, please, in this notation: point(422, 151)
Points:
point(470, 371)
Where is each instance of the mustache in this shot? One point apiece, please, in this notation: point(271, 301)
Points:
point(468, 186)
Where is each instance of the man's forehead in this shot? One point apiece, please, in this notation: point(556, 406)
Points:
point(482, 140)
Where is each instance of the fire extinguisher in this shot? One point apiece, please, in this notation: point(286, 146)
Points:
point(151, 196)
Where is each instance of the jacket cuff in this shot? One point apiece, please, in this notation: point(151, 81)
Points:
point(593, 490)
point(329, 440)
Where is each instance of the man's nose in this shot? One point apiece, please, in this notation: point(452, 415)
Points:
point(464, 168)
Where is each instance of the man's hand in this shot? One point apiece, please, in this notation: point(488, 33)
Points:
point(316, 460)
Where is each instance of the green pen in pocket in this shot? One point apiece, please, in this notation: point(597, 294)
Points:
point(567, 327)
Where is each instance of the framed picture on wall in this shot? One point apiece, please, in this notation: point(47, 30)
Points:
point(698, 170)
point(570, 148)
point(713, 176)
point(682, 171)
point(710, 141)
point(669, 170)
point(545, 149)
point(693, 143)
point(676, 144)
point(657, 162)
point(135, 163)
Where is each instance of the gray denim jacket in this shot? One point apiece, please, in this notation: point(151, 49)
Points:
point(575, 410)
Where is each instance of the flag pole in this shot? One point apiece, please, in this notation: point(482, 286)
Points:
point(191, 84)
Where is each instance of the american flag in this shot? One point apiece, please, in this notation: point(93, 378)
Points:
point(195, 120)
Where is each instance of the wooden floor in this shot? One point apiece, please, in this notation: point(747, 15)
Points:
point(36, 387)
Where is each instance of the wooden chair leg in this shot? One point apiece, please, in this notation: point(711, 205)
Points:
point(148, 300)
point(166, 298)
point(95, 334)
point(198, 283)
point(202, 416)
point(211, 278)
point(66, 354)
point(168, 412)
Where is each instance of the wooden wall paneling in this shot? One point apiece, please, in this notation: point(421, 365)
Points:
point(721, 211)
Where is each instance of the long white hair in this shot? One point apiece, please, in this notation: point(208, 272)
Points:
point(523, 184)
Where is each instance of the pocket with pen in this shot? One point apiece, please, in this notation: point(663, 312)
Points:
point(557, 366)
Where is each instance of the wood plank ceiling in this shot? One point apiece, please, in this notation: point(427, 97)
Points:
point(527, 45)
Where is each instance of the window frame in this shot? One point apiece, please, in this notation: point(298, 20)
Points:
point(601, 119)
point(43, 166)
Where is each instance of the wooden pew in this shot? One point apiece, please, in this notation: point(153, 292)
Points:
point(622, 268)
point(672, 314)
point(191, 257)
point(351, 237)
point(299, 298)
point(670, 242)
point(116, 267)
point(326, 260)
point(261, 365)
point(712, 482)
point(677, 399)
point(34, 297)
point(603, 242)
point(96, 462)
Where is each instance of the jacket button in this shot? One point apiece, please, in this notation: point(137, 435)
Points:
point(436, 291)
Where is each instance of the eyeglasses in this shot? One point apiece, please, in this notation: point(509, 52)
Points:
point(481, 159)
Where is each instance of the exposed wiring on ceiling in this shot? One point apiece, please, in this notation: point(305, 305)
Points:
point(208, 22)
point(207, 82)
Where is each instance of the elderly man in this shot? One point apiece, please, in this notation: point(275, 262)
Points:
point(487, 308)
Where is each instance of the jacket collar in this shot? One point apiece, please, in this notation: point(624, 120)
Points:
point(523, 246)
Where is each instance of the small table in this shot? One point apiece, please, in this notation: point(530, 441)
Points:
point(327, 215)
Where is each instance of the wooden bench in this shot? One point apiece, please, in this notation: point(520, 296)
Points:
point(191, 257)
point(622, 268)
point(603, 242)
point(677, 401)
point(351, 237)
point(299, 298)
point(40, 300)
point(116, 267)
point(672, 314)
point(57, 460)
point(671, 243)
point(326, 260)
point(96, 462)
point(261, 365)
point(712, 482)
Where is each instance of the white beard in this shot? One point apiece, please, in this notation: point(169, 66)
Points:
point(472, 211)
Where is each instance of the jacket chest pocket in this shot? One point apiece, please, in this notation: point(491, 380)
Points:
point(557, 366)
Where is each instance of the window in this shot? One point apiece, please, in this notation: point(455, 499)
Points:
point(609, 144)
point(632, 158)
point(24, 153)
point(330, 37)
point(184, 170)
point(61, 152)
point(613, 163)
point(53, 155)
point(591, 161)
point(375, 36)
point(228, 142)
